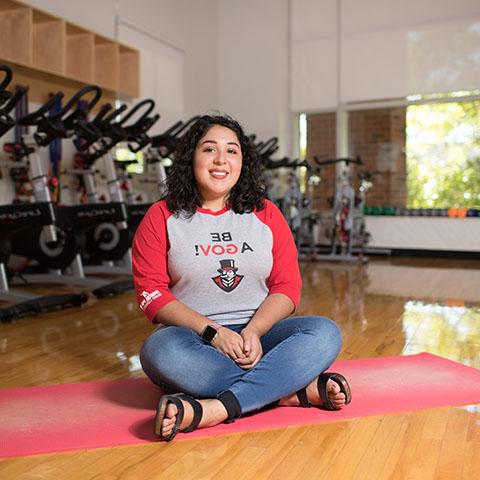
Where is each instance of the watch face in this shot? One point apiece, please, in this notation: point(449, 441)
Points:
point(209, 334)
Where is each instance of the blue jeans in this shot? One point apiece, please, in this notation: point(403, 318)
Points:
point(295, 351)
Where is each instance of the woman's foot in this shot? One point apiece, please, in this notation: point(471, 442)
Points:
point(213, 413)
point(334, 393)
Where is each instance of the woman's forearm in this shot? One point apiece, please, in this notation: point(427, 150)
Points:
point(274, 308)
point(178, 314)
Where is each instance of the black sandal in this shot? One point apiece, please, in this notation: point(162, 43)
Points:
point(322, 380)
point(176, 399)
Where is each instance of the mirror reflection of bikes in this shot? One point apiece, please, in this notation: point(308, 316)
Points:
point(344, 229)
point(348, 229)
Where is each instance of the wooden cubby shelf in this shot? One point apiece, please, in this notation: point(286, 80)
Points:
point(15, 32)
point(80, 53)
point(129, 70)
point(106, 63)
point(48, 43)
point(49, 53)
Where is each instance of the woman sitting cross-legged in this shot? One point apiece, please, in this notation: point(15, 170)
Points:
point(215, 264)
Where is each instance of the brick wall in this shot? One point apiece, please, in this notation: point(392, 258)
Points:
point(378, 137)
point(321, 141)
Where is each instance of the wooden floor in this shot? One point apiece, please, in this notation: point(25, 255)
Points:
point(389, 307)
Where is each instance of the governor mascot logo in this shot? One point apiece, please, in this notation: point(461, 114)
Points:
point(228, 279)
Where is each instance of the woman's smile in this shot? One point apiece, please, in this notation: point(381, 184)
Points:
point(218, 174)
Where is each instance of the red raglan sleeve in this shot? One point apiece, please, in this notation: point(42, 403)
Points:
point(285, 275)
point(149, 261)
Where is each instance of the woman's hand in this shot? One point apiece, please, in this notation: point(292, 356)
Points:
point(252, 348)
point(230, 343)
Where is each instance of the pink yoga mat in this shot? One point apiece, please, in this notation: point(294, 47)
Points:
point(57, 418)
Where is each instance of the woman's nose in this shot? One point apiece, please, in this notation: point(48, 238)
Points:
point(219, 158)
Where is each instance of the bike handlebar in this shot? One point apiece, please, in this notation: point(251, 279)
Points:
point(35, 117)
point(140, 136)
point(330, 161)
point(150, 106)
point(114, 114)
point(177, 126)
point(80, 111)
point(76, 98)
point(6, 121)
point(104, 109)
point(272, 142)
point(14, 99)
point(186, 125)
point(8, 76)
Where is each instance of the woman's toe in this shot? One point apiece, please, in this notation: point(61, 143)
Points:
point(169, 420)
point(340, 397)
point(333, 388)
point(336, 396)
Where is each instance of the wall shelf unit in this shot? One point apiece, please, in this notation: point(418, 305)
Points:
point(47, 53)
point(80, 53)
point(129, 79)
point(106, 63)
point(48, 43)
point(16, 22)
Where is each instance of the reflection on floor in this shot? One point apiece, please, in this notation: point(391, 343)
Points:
point(449, 331)
point(442, 284)
point(393, 307)
point(388, 307)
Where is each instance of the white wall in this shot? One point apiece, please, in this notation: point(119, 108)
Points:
point(277, 57)
point(253, 59)
point(313, 67)
point(388, 49)
point(192, 27)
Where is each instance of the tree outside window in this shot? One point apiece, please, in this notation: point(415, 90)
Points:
point(443, 155)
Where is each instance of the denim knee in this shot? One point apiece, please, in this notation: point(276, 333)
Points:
point(321, 325)
point(161, 351)
point(322, 331)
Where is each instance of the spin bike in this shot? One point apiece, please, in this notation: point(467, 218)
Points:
point(348, 222)
point(108, 245)
point(17, 219)
point(296, 206)
point(62, 258)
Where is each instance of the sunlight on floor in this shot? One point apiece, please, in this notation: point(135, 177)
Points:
point(449, 331)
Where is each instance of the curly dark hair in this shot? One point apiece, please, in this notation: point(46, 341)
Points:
point(182, 193)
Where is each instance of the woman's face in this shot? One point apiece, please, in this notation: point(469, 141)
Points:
point(217, 163)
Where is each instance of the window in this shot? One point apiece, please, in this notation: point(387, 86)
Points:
point(443, 153)
point(423, 155)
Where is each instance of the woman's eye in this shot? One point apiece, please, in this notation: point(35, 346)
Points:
point(209, 149)
point(232, 151)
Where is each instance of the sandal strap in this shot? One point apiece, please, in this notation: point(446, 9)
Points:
point(164, 401)
point(322, 391)
point(197, 412)
point(302, 397)
point(344, 386)
point(341, 381)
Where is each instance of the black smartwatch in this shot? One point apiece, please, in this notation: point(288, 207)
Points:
point(209, 334)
